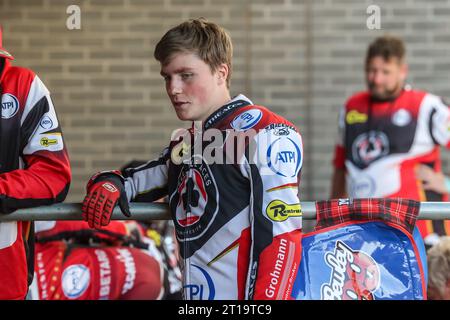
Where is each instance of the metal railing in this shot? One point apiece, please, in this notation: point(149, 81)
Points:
point(160, 211)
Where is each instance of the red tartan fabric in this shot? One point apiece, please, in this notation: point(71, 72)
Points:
point(398, 211)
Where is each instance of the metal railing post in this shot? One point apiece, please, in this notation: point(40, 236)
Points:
point(160, 211)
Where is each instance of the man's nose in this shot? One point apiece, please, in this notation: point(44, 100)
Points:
point(378, 78)
point(175, 87)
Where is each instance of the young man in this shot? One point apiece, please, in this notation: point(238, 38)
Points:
point(34, 168)
point(387, 133)
point(235, 206)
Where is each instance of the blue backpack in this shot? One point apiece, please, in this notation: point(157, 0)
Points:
point(363, 249)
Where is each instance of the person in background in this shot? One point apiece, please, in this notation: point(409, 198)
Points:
point(387, 132)
point(438, 258)
point(34, 168)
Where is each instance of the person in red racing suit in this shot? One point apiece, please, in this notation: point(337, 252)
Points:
point(232, 179)
point(388, 133)
point(74, 262)
point(34, 168)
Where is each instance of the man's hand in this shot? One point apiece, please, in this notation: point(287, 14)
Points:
point(431, 180)
point(104, 190)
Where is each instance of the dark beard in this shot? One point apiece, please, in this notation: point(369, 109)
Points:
point(388, 95)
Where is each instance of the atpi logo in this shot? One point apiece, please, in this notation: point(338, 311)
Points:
point(46, 122)
point(10, 106)
point(354, 275)
point(246, 120)
point(203, 289)
point(284, 157)
point(279, 211)
point(401, 118)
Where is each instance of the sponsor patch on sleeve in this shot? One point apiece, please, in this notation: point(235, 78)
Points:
point(279, 211)
point(49, 141)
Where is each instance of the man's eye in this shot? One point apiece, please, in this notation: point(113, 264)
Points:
point(186, 76)
point(166, 78)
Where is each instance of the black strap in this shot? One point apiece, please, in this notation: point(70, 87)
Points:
point(430, 126)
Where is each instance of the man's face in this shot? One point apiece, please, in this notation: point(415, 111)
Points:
point(385, 78)
point(194, 90)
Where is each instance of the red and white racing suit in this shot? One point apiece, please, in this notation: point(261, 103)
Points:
point(34, 170)
point(74, 262)
point(381, 143)
point(238, 222)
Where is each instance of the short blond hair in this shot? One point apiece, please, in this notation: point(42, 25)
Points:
point(438, 258)
point(206, 39)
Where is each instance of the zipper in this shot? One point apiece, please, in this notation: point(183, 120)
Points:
point(187, 266)
point(189, 188)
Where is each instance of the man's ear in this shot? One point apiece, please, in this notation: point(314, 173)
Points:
point(222, 73)
point(404, 71)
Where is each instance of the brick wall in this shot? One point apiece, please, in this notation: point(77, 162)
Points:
point(300, 58)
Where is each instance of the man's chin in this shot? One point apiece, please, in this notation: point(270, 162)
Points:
point(382, 96)
point(184, 116)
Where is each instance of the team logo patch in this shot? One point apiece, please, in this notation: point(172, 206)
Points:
point(246, 120)
point(355, 117)
point(75, 280)
point(354, 275)
point(10, 106)
point(284, 157)
point(401, 118)
point(180, 152)
point(281, 132)
point(203, 289)
point(195, 201)
point(279, 211)
point(369, 147)
point(46, 123)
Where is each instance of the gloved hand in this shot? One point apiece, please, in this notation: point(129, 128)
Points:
point(103, 191)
